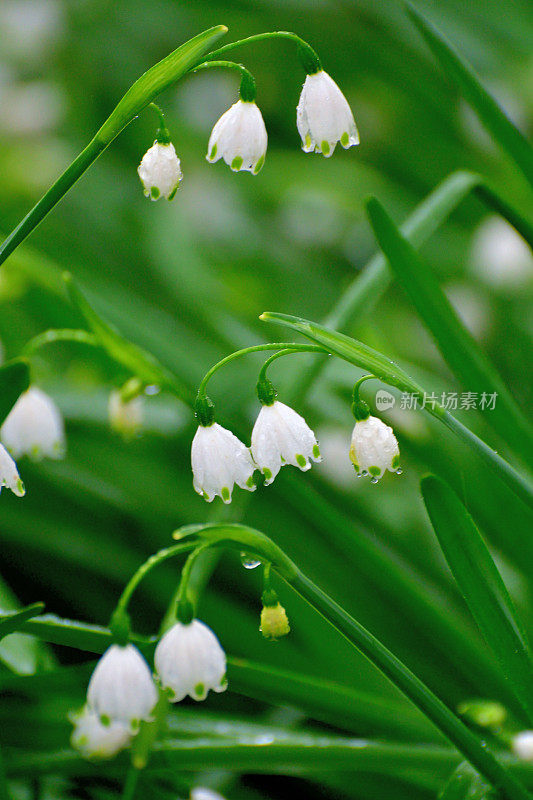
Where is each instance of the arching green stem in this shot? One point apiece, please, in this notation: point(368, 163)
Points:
point(162, 134)
point(59, 335)
point(120, 624)
point(247, 88)
point(310, 60)
point(287, 347)
point(185, 609)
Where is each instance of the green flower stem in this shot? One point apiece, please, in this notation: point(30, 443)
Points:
point(142, 92)
point(162, 134)
point(259, 37)
point(287, 352)
point(4, 788)
point(257, 348)
point(441, 716)
point(247, 89)
point(59, 335)
point(120, 614)
point(185, 608)
point(130, 785)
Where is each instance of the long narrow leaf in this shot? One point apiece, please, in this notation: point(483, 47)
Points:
point(489, 112)
point(13, 621)
point(457, 346)
point(482, 587)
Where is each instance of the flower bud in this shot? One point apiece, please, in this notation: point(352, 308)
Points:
point(274, 622)
point(125, 416)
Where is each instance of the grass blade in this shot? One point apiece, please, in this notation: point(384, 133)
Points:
point(459, 349)
point(482, 587)
point(466, 784)
point(491, 115)
point(14, 380)
point(13, 621)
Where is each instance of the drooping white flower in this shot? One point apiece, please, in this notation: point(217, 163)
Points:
point(522, 745)
point(374, 448)
point(189, 661)
point(203, 793)
point(281, 436)
point(160, 171)
point(323, 116)
point(219, 460)
point(240, 138)
point(34, 427)
point(121, 688)
point(125, 417)
point(9, 475)
point(95, 740)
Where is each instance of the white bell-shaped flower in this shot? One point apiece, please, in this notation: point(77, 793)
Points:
point(9, 475)
point(125, 416)
point(203, 793)
point(94, 740)
point(281, 436)
point(219, 460)
point(240, 138)
point(121, 688)
point(189, 661)
point(160, 171)
point(323, 116)
point(374, 448)
point(34, 427)
point(522, 745)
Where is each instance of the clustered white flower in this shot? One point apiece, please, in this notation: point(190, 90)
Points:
point(323, 118)
point(34, 427)
point(522, 745)
point(122, 691)
point(219, 459)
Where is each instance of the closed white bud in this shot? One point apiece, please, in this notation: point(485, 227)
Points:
point(219, 460)
point(240, 138)
point(34, 427)
point(522, 745)
point(160, 171)
point(121, 688)
point(94, 740)
point(125, 417)
point(189, 661)
point(281, 436)
point(374, 448)
point(9, 475)
point(323, 116)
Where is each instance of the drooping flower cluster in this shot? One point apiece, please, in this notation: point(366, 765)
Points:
point(239, 137)
point(219, 459)
point(122, 691)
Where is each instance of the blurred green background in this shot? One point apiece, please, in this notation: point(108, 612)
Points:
point(187, 280)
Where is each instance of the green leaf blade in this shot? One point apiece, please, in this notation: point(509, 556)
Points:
point(482, 587)
point(491, 115)
point(457, 346)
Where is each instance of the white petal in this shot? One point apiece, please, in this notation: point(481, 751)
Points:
point(323, 116)
point(160, 171)
point(121, 687)
point(202, 793)
point(374, 448)
point(522, 745)
point(125, 418)
point(281, 436)
point(9, 475)
point(240, 138)
point(189, 661)
point(94, 740)
point(34, 427)
point(219, 460)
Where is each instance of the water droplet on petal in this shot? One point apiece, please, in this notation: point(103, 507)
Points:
point(399, 471)
point(374, 480)
point(249, 562)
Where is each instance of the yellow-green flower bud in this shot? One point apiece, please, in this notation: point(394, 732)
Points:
point(274, 622)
